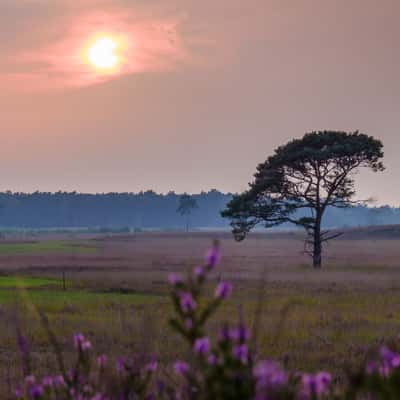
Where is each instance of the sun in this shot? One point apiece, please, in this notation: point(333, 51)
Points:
point(102, 53)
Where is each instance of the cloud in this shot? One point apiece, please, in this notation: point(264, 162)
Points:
point(44, 41)
point(50, 48)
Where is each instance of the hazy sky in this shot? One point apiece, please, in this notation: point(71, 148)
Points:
point(204, 90)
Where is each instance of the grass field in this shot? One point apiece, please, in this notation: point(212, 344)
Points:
point(117, 295)
point(43, 247)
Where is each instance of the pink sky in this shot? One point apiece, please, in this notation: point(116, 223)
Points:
point(207, 90)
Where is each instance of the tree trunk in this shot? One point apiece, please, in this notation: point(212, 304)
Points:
point(317, 250)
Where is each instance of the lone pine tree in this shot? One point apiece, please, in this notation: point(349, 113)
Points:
point(301, 180)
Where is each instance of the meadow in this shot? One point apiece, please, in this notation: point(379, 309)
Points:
point(117, 294)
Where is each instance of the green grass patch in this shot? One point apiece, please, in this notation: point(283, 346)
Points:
point(55, 301)
point(13, 282)
point(50, 246)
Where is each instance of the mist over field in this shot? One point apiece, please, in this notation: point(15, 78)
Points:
point(149, 210)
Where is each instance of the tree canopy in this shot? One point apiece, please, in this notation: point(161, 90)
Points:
point(311, 174)
point(187, 204)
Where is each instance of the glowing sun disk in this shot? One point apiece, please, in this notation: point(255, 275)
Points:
point(102, 53)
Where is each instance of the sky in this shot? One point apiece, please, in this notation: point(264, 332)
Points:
point(202, 92)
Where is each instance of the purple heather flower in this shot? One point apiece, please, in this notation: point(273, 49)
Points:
point(269, 374)
point(47, 381)
point(80, 342)
point(160, 387)
point(387, 355)
point(372, 367)
point(385, 370)
point(151, 366)
point(18, 392)
point(223, 290)
point(240, 333)
point(36, 391)
point(87, 388)
point(269, 377)
point(78, 339)
point(315, 385)
point(308, 385)
point(174, 279)
point(188, 323)
point(23, 346)
point(213, 256)
point(187, 302)
point(86, 345)
point(30, 380)
point(323, 380)
point(199, 272)
point(202, 345)
point(212, 359)
point(241, 352)
point(390, 358)
point(70, 374)
point(225, 334)
point(120, 365)
point(59, 381)
point(181, 367)
point(101, 360)
point(396, 361)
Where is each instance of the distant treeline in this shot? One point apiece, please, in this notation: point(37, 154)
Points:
point(147, 210)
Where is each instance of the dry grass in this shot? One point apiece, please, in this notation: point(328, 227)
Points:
point(117, 295)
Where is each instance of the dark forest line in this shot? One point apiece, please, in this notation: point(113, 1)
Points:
point(148, 210)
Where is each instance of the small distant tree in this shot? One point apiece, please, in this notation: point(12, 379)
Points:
point(186, 205)
point(301, 180)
